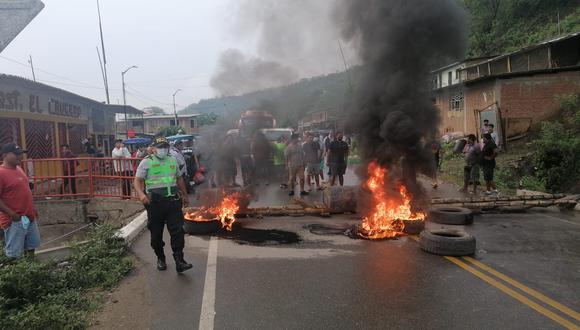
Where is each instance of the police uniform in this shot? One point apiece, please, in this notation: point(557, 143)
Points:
point(160, 176)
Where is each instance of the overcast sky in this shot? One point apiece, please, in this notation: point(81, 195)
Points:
point(175, 44)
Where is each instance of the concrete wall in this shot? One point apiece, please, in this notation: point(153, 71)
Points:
point(61, 212)
point(112, 211)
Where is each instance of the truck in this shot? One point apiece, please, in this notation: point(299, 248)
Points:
point(252, 120)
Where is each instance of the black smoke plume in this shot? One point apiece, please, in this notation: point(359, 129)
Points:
point(399, 42)
point(238, 74)
point(294, 39)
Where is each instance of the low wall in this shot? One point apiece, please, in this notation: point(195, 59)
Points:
point(53, 212)
point(113, 211)
point(101, 210)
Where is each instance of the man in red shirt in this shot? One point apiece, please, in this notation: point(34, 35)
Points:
point(17, 213)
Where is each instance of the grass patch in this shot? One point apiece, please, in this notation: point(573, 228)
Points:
point(508, 176)
point(34, 295)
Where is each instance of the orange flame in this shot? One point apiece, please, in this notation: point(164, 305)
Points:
point(225, 212)
point(386, 218)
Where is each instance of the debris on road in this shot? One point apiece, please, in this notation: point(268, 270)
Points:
point(449, 215)
point(447, 242)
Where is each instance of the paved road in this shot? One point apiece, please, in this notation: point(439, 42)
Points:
point(283, 273)
point(333, 282)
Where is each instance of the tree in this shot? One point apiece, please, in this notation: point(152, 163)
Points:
point(154, 110)
point(207, 119)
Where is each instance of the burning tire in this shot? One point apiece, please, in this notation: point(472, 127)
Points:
point(446, 242)
point(201, 227)
point(413, 227)
point(448, 215)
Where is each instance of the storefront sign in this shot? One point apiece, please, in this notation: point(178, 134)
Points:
point(16, 101)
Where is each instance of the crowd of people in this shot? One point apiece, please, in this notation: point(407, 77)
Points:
point(480, 157)
point(290, 161)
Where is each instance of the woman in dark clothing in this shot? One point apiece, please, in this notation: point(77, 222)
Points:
point(489, 153)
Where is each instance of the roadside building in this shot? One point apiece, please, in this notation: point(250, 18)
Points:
point(514, 91)
point(40, 118)
point(320, 121)
point(151, 124)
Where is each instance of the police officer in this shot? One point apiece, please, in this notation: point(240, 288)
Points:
point(161, 189)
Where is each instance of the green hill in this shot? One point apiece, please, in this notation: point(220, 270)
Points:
point(500, 26)
point(497, 27)
point(289, 103)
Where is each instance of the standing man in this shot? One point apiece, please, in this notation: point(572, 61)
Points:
point(122, 166)
point(493, 133)
point(489, 153)
point(295, 163)
point(337, 159)
point(175, 152)
point(18, 217)
point(161, 189)
point(68, 171)
point(280, 169)
point(312, 155)
point(471, 169)
point(327, 141)
point(485, 128)
point(244, 147)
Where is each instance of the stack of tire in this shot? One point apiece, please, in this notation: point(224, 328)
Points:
point(448, 242)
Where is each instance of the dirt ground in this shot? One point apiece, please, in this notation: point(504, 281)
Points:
point(131, 298)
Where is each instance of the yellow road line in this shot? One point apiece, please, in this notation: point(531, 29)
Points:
point(566, 310)
point(540, 309)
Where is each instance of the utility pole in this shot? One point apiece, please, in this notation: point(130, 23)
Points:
point(104, 66)
point(559, 32)
point(32, 67)
point(174, 110)
point(345, 66)
point(125, 99)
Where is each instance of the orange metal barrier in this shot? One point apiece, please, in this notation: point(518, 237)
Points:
point(81, 177)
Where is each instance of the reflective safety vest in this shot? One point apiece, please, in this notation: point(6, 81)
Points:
point(161, 176)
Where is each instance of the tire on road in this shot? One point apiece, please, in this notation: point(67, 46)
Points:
point(413, 227)
point(447, 242)
point(449, 215)
point(201, 227)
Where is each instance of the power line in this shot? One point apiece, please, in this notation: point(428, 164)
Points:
point(146, 99)
point(47, 72)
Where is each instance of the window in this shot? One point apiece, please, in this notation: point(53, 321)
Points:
point(192, 123)
point(449, 78)
point(172, 122)
point(434, 84)
point(456, 102)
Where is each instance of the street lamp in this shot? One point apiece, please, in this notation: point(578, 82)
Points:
point(175, 111)
point(125, 99)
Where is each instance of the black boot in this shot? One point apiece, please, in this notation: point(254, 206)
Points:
point(180, 264)
point(161, 265)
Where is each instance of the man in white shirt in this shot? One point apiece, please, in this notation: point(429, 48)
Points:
point(122, 167)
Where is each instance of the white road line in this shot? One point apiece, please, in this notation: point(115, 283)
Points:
point(206, 319)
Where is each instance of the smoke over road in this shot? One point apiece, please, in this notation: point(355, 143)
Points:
point(398, 43)
point(239, 74)
point(294, 39)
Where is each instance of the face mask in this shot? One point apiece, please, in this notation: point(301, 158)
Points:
point(162, 153)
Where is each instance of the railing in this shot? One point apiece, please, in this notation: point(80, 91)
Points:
point(81, 177)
